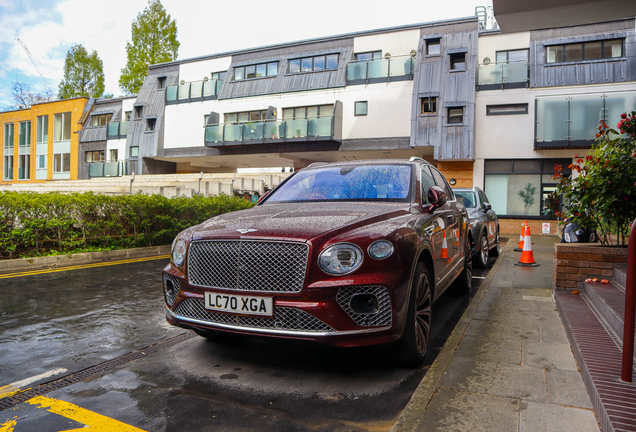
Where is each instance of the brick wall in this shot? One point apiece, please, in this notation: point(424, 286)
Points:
point(573, 263)
point(512, 227)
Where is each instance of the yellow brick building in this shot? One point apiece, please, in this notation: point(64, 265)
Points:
point(41, 143)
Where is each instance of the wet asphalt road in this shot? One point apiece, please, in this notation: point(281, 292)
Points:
point(80, 318)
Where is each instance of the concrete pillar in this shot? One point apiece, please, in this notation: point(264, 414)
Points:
point(161, 191)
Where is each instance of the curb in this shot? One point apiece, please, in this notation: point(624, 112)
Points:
point(80, 258)
point(425, 391)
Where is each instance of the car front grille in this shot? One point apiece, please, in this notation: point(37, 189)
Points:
point(289, 319)
point(259, 266)
point(383, 317)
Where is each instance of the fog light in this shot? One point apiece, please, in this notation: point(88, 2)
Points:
point(365, 304)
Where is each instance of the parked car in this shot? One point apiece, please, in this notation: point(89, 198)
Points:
point(483, 221)
point(573, 234)
point(348, 254)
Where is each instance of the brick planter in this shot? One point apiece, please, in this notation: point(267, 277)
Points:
point(574, 262)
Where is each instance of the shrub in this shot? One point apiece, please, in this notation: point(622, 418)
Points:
point(33, 224)
point(603, 195)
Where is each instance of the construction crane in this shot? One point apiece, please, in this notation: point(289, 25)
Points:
point(33, 60)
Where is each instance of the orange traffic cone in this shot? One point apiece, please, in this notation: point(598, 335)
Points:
point(444, 253)
point(457, 238)
point(527, 259)
point(519, 248)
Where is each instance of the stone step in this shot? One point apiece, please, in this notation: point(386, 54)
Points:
point(599, 357)
point(620, 276)
point(609, 302)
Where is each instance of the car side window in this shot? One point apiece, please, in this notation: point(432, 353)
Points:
point(427, 182)
point(441, 182)
point(483, 198)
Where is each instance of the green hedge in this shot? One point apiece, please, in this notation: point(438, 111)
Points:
point(33, 224)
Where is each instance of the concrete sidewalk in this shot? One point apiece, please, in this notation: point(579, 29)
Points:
point(508, 365)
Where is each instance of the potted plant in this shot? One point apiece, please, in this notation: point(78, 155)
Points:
point(603, 194)
point(298, 133)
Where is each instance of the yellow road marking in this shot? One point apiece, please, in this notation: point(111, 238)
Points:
point(78, 267)
point(8, 390)
point(95, 422)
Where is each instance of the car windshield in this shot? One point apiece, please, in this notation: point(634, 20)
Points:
point(466, 198)
point(347, 183)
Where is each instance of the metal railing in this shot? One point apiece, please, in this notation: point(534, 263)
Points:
point(303, 127)
point(503, 73)
point(117, 130)
point(183, 93)
point(630, 309)
point(384, 67)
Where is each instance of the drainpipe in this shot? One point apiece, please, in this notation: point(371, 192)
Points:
point(131, 181)
point(200, 178)
point(630, 308)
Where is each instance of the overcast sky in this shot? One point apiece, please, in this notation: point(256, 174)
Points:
point(49, 28)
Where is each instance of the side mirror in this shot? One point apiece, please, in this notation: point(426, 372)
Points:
point(436, 197)
point(487, 206)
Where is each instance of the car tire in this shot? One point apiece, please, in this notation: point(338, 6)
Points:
point(481, 258)
point(464, 281)
point(413, 345)
point(496, 250)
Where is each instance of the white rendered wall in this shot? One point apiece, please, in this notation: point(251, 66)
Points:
point(196, 71)
point(397, 43)
point(120, 145)
point(488, 45)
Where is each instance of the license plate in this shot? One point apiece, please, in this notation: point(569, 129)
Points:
point(263, 306)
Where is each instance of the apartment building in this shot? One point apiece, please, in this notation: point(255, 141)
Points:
point(41, 143)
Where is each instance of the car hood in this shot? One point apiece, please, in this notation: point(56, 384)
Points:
point(474, 213)
point(297, 221)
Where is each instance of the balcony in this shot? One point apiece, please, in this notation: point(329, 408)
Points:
point(195, 91)
point(571, 121)
point(108, 169)
point(271, 131)
point(503, 75)
point(385, 69)
point(117, 130)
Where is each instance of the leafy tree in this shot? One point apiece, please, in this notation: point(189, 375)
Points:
point(154, 40)
point(83, 74)
point(602, 196)
point(24, 97)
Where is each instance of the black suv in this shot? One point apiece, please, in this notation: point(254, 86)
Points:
point(484, 223)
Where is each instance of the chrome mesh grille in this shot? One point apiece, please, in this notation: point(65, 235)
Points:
point(170, 294)
point(248, 265)
point(284, 318)
point(383, 317)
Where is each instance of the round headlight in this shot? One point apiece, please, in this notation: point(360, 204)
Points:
point(178, 253)
point(380, 249)
point(340, 259)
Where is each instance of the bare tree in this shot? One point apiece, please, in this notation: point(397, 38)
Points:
point(24, 97)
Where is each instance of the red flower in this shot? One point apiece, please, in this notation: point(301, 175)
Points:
point(624, 116)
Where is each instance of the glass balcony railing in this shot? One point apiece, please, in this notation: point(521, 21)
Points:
point(305, 127)
point(117, 130)
point(108, 169)
point(503, 73)
point(379, 68)
point(184, 93)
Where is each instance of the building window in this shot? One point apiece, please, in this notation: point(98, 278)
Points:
point(134, 151)
point(308, 112)
point(101, 119)
point(429, 105)
point(594, 50)
point(8, 151)
point(219, 75)
point(139, 111)
point(261, 70)
point(458, 61)
point(161, 82)
point(113, 155)
point(24, 151)
point(360, 108)
point(127, 115)
point(41, 146)
point(62, 127)
point(94, 156)
point(244, 117)
point(62, 146)
point(313, 64)
point(456, 115)
point(523, 187)
point(150, 124)
point(433, 47)
point(512, 56)
point(508, 109)
point(368, 55)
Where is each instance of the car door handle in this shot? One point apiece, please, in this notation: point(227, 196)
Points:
point(450, 217)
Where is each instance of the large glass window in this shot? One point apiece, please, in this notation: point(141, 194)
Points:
point(41, 147)
point(101, 119)
point(584, 51)
point(313, 64)
point(62, 127)
point(433, 47)
point(523, 187)
point(512, 55)
point(24, 151)
point(246, 116)
point(8, 151)
point(260, 70)
point(62, 146)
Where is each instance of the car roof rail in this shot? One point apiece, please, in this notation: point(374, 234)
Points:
point(415, 158)
point(317, 163)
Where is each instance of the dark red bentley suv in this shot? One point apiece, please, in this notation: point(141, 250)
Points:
point(349, 254)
